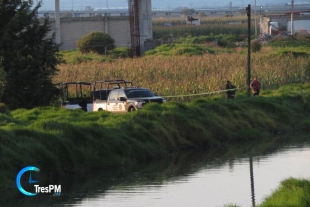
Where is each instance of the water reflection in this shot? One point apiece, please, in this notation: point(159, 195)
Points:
point(212, 177)
point(252, 182)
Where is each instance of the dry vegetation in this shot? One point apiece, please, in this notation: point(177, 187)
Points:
point(176, 75)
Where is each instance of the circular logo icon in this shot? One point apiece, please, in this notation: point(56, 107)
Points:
point(19, 175)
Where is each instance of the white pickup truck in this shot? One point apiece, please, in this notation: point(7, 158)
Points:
point(123, 99)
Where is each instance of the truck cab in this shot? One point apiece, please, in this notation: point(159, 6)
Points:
point(129, 99)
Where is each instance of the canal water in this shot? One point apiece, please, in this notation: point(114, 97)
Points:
point(241, 175)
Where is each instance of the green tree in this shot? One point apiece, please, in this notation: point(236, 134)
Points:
point(98, 42)
point(28, 55)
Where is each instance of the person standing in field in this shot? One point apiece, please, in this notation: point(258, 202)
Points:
point(255, 86)
point(230, 90)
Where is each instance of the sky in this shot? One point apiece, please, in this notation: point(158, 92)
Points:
point(163, 4)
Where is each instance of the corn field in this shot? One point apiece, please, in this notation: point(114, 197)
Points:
point(180, 75)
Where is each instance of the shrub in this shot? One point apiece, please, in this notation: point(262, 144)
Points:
point(3, 108)
point(256, 46)
point(121, 52)
point(98, 42)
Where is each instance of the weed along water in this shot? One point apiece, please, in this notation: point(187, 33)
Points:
point(215, 178)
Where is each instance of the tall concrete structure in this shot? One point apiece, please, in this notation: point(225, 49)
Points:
point(145, 23)
point(140, 24)
point(140, 29)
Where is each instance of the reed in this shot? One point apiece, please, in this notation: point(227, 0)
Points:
point(169, 75)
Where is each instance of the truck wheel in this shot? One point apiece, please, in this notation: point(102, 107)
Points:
point(100, 109)
point(131, 109)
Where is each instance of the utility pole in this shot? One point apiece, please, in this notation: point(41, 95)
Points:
point(255, 17)
point(248, 11)
point(57, 22)
point(260, 21)
point(292, 17)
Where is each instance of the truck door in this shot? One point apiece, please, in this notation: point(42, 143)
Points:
point(114, 104)
point(121, 104)
point(112, 101)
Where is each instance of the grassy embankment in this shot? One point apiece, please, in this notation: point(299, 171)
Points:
point(291, 193)
point(71, 141)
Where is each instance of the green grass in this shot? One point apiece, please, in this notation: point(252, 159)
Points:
point(205, 29)
point(65, 142)
point(295, 51)
point(76, 57)
point(223, 40)
point(180, 49)
point(298, 40)
point(291, 193)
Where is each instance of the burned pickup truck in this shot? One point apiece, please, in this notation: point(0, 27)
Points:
point(123, 97)
point(72, 94)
